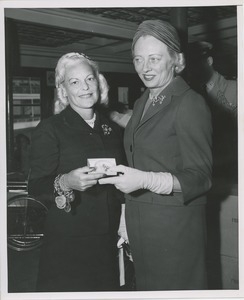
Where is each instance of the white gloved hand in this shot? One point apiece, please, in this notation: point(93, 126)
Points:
point(132, 180)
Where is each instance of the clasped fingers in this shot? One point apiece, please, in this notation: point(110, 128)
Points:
point(88, 180)
point(81, 179)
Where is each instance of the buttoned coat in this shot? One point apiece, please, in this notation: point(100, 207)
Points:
point(79, 251)
point(167, 232)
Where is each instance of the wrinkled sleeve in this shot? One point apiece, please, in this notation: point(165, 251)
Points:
point(194, 133)
point(43, 160)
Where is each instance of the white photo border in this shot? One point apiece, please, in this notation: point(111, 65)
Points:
point(210, 294)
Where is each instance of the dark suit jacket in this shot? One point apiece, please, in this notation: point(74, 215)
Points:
point(63, 143)
point(167, 232)
point(174, 136)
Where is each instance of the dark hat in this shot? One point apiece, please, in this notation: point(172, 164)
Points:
point(161, 30)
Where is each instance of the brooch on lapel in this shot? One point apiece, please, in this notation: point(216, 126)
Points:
point(158, 99)
point(106, 129)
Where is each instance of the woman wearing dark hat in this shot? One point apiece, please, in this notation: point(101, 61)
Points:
point(168, 147)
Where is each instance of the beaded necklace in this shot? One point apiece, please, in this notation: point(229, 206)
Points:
point(91, 122)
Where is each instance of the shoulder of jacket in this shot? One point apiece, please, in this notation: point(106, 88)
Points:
point(188, 95)
point(191, 101)
point(49, 123)
point(192, 94)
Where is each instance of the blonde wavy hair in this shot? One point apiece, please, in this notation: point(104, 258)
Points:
point(62, 101)
point(179, 61)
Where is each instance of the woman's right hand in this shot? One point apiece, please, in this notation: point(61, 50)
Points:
point(81, 179)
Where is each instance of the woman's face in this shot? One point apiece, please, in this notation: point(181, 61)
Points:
point(80, 86)
point(153, 62)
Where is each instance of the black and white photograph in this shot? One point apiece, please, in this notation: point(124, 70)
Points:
point(121, 155)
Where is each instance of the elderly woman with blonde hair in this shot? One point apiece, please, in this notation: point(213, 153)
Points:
point(79, 251)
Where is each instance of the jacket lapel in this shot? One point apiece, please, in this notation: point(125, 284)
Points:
point(154, 109)
point(72, 119)
point(138, 109)
point(176, 87)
